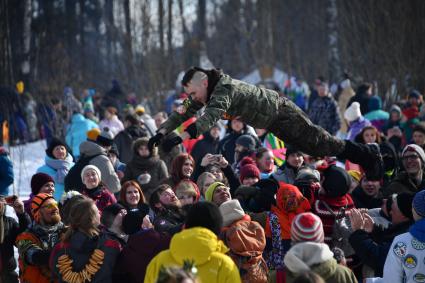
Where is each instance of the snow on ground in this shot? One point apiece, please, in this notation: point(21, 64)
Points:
point(26, 159)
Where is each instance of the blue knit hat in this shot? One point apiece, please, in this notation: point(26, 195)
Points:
point(419, 203)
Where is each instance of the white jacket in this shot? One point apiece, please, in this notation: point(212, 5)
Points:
point(405, 260)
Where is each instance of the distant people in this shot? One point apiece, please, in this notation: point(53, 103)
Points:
point(6, 172)
point(356, 121)
point(111, 121)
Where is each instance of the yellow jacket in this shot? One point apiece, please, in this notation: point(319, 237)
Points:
point(201, 246)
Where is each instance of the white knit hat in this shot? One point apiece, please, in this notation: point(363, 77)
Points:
point(353, 112)
point(92, 167)
point(415, 148)
point(231, 211)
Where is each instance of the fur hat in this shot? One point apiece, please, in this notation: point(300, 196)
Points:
point(336, 181)
point(307, 227)
point(38, 180)
point(414, 148)
point(54, 143)
point(105, 138)
point(231, 211)
point(249, 171)
point(91, 167)
point(353, 112)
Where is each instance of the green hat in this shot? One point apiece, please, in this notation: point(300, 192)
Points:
point(210, 191)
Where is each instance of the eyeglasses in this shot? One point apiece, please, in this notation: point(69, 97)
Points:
point(411, 157)
point(50, 205)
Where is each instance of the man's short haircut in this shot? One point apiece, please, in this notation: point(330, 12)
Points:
point(419, 128)
point(194, 74)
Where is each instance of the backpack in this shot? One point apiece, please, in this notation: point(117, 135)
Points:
point(73, 180)
point(341, 231)
point(246, 241)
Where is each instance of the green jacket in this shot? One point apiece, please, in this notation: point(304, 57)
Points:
point(230, 98)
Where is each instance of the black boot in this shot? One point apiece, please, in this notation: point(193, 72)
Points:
point(367, 156)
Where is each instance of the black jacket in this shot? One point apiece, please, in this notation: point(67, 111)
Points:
point(207, 145)
point(373, 248)
point(362, 200)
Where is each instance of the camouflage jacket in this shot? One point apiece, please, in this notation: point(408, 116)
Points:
point(230, 98)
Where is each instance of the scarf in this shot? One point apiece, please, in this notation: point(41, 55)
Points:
point(49, 235)
point(143, 163)
point(60, 166)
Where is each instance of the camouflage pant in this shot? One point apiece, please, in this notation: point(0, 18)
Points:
point(294, 127)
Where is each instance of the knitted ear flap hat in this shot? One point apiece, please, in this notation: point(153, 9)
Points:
point(37, 202)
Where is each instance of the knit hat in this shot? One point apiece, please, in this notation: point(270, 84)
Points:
point(114, 150)
point(246, 160)
point(204, 214)
point(415, 94)
point(353, 112)
point(266, 196)
point(414, 148)
point(210, 191)
point(249, 171)
point(187, 187)
point(93, 134)
point(307, 227)
point(290, 149)
point(395, 108)
point(356, 175)
point(39, 180)
point(246, 141)
point(54, 143)
point(109, 213)
point(37, 201)
point(132, 222)
point(307, 174)
point(105, 138)
point(404, 203)
point(375, 103)
point(91, 167)
point(231, 211)
point(336, 181)
point(419, 203)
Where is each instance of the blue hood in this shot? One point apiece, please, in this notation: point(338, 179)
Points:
point(418, 230)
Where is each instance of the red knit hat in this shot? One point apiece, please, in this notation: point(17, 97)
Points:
point(249, 170)
point(307, 227)
point(38, 181)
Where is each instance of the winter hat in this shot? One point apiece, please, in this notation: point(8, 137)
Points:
point(39, 180)
point(249, 171)
point(336, 181)
point(109, 213)
point(404, 203)
point(93, 134)
point(246, 141)
point(375, 103)
point(266, 195)
point(246, 160)
point(307, 227)
point(54, 143)
point(205, 214)
point(419, 203)
point(414, 148)
point(307, 174)
point(132, 222)
point(37, 201)
point(140, 110)
point(187, 187)
point(210, 191)
point(139, 142)
point(91, 167)
point(353, 112)
point(395, 108)
point(415, 94)
point(291, 150)
point(114, 150)
point(105, 138)
point(231, 211)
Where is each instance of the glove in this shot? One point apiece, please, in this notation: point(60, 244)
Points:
point(155, 141)
point(168, 144)
point(192, 131)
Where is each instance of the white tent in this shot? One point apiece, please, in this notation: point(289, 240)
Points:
point(277, 76)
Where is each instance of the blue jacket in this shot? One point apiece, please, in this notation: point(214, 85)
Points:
point(6, 172)
point(59, 187)
point(76, 132)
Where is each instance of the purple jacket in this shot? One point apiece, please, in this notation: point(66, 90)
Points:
point(356, 127)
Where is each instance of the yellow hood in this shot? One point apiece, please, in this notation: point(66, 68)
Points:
point(195, 244)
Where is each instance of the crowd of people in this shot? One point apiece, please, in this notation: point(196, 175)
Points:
point(270, 195)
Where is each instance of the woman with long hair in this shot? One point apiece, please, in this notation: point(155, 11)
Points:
point(181, 168)
point(84, 254)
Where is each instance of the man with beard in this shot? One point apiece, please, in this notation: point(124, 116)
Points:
point(35, 244)
point(169, 216)
point(218, 193)
point(411, 180)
